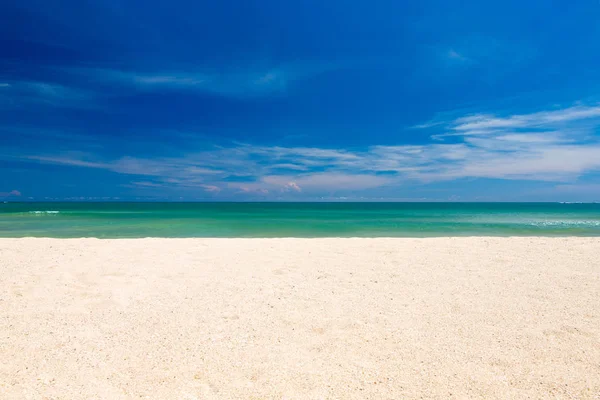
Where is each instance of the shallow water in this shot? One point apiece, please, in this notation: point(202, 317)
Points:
point(133, 220)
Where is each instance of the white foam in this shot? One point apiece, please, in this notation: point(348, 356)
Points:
point(567, 223)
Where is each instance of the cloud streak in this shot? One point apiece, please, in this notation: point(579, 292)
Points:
point(543, 146)
point(26, 93)
point(545, 121)
point(87, 88)
point(252, 82)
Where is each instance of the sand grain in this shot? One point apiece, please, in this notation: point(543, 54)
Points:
point(508, 318)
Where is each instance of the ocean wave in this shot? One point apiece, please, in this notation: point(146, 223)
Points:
point(44, 212)
point(567, 223)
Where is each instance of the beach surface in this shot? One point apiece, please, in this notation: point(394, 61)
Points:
point(436, 318)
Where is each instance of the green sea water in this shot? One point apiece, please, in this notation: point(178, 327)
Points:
point(136, 220)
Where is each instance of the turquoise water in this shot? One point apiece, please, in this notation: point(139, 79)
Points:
point(134, 220)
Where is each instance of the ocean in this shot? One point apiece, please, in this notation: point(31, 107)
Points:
point(137, 220)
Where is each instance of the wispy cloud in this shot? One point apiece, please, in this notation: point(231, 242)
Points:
point(77, 87)
point(12, 193)
point(535, 119)
point(27, 93)
point(249, 82)
point(146, 184)
point(454, 55)
point(325, 181)
point(544, 146)
point(485, 124)
point(499, 57)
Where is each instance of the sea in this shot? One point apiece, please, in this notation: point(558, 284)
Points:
point(306, 220)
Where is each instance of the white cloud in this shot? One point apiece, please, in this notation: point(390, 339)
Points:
point(487, 123)
point(292, 186)
point(328, 181)
point(550, 146)
point(547, 137)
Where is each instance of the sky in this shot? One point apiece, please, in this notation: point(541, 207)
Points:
point(305, 100)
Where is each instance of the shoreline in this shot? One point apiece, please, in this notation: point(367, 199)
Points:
point(303, 237)
point(195, 318)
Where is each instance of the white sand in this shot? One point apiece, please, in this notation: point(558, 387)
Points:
point(509, 318)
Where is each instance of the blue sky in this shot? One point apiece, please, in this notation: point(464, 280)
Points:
point(300, 100)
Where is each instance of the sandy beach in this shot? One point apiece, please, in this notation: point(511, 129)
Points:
point(489, 318)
